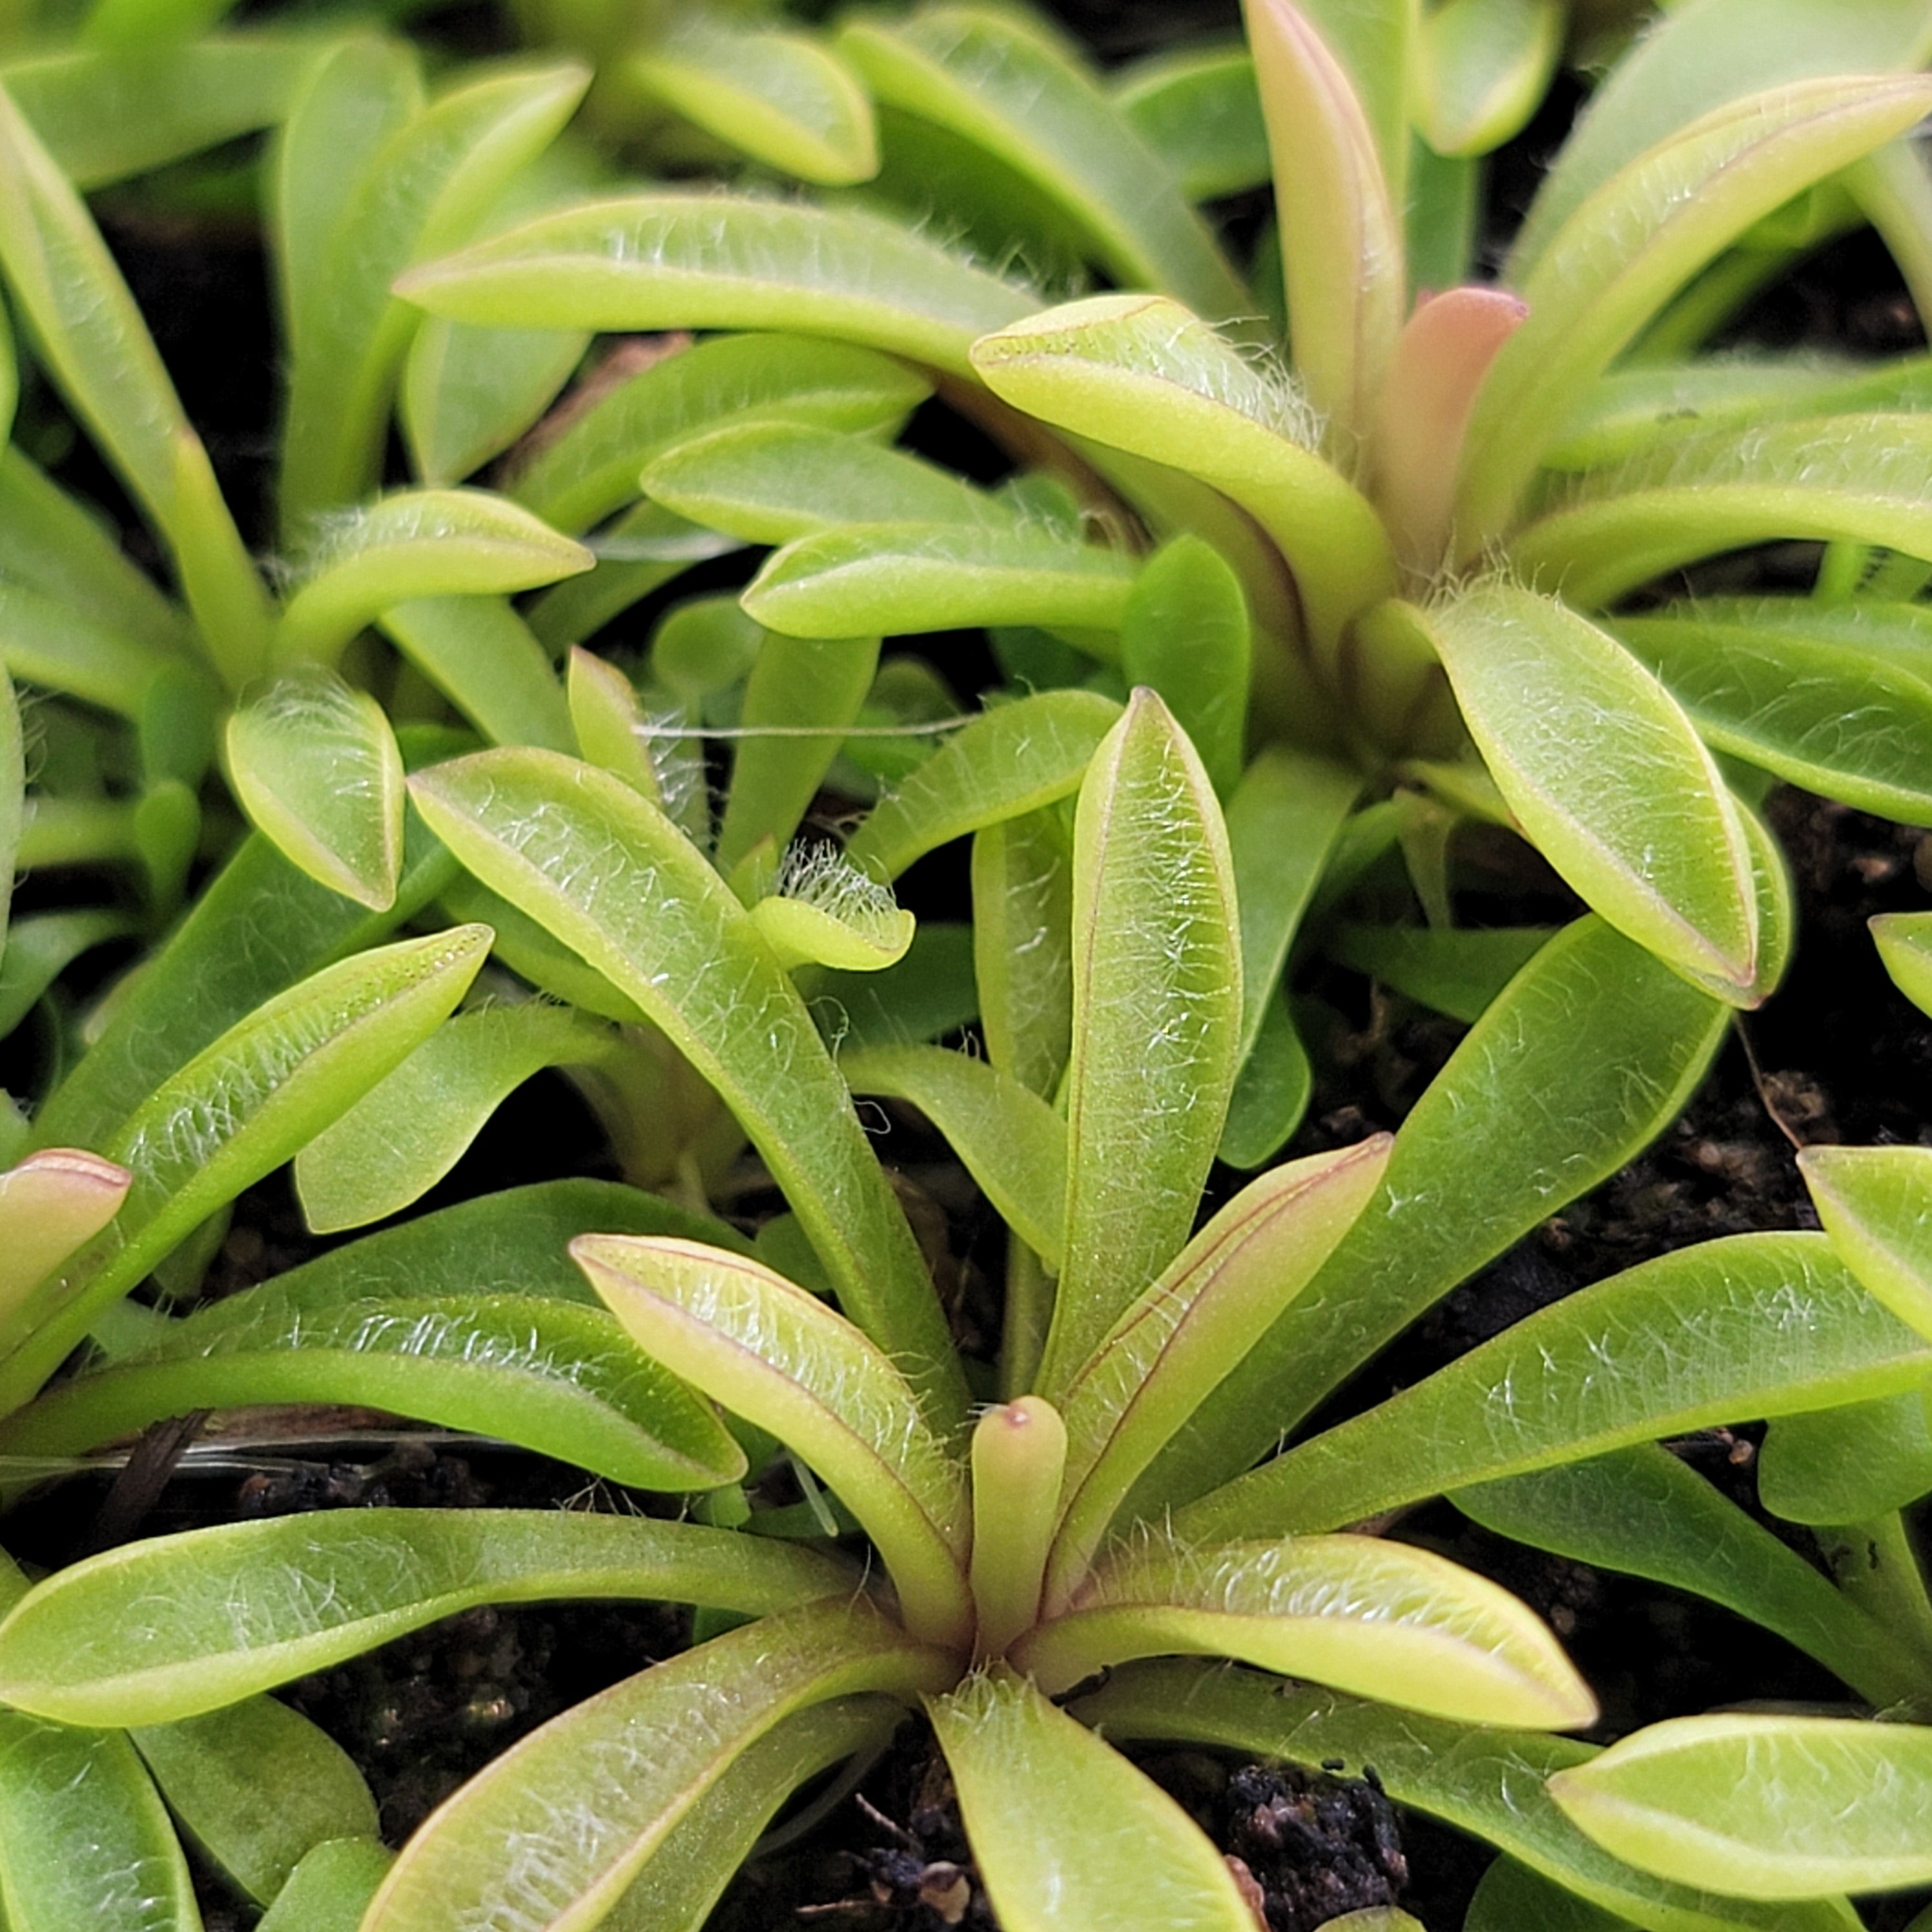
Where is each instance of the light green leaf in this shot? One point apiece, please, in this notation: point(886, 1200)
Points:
point(1748, 1325)
point(1904, 943)
point(631, 1765)
point(1361, 1612)
point(468, 393)
point(1066, 1832)
point(409, 1130)
point(611, 877)
point(1014, 759)
point(769, 482)
point(50, 1203)
point(258, 1786)
point(95, 344)
point(118, 1639)
point(1199, 109)
point(1608, 778)
point(1874, 1203)
point(765, 1349)
point(422, 189)
point(88, 1841)
point(704, 261)
point(1849, 1463)
point(1007, 1137)
point(13, 808)
point(1698, 55)
point(1157, 1023)
point(1829, 698)
point(827, 913)
point(1140, 374)
point(105, 115)
point(796, 683)
point(315, 766)
point(1770, 1807)
point(897, 578)
point(418, 543)
point(1167, 1353)
point(1591, 1017)
point(1482, 69)
point(1489, 1783)
point(44, 640)
point(994, 82)
point(242, 1107)
point(1642, 1511)
point(1857, 479)
point(783, 99)
point(591, 467)
point(1615, 261)
point(482, 656)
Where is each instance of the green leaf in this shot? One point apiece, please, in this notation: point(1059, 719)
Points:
point(1361, 1612)
point(630, 1764)
point(989, 78)
point(1022, 936)
point(1065, 1831)
point(592, 465)
point(14, 811)
point(468, 393)
point(44, 640)
point(902, 577)
point(1625, 252)
point(928, 993)
point(1271, 1093)
point(331, 1887)
point(418, 543)
point(1830, 698)
point(704, 261)
point(1199, 109)
point(87, 1842)
point(256, 928)
point(41, 948)
point(766, 1350)
point(1336, 194)
point(796, 684)
point(1770, 1807)
point(1013, 759)
point(123, 1638)
point(1007, 1137)
point(258, 1787)
point(1636, 819)
point(52, 543)
point(242, 1107)
point(483, 657)
point(1509, 1896)
point(1165, 1357)
point(1699, 55)
point(1873, 1202)
point(1642, 1511)
point(1489, 1783)
point(106, 114)
point(770, 482)
point(782, 98)
point(94, 343)
point(315, 767)
point(1185, 634)
point(1858, 479)
point(1482, 69)
point(424, 187)
point(1849, 1463)
point(1458, 972)
point(613, 879)
point(1157, 1023)
point(410, 1128)
point(1748, 1325)
point(1591, 1017)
